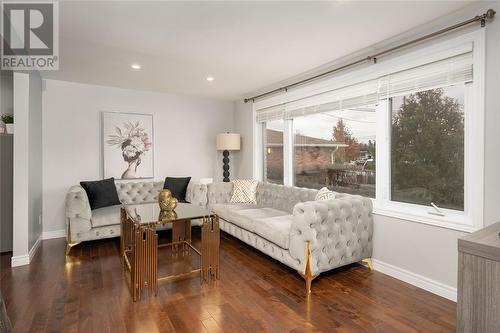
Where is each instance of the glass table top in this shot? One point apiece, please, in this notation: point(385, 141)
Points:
point(148, 213)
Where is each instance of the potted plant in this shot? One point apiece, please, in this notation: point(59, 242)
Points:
point(8, 120)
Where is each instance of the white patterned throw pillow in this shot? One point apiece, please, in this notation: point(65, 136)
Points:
point(244, 191)
point(325, 194)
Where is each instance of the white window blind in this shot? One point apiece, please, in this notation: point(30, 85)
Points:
point(451, 70)
point(337, 99)
point(271, 113)
point(446, 72)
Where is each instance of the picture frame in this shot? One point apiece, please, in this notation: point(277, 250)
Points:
point(127, 145)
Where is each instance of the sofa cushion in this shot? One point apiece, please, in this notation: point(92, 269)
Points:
point(275, 229)
point(244, 191)
point(282, 197)
point(177, 186)
point(101, 193)
point(247, 218)
point(138, 192)
point(223, 209)
point(219, 192)
point(324, 194)
point(105, 216)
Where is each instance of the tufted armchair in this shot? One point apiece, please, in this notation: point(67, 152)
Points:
point(84, 224)
point(290, 226)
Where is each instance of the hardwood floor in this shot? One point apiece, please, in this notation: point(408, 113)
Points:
point(88, 292)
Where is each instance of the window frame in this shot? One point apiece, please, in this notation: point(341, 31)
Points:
point(383, 204)
point(471, 218)
point(264, 151)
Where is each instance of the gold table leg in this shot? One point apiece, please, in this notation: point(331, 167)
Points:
point(144, 266)
point(210, 242)
point(181, 233)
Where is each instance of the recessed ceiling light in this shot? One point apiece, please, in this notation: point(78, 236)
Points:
point(136, 66)
point(210, 78)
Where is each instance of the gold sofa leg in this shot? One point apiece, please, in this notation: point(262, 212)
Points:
point(69, 243)
point(308, 276)
point(368, 262)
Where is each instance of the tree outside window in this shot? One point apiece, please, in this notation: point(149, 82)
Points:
point(427, 148)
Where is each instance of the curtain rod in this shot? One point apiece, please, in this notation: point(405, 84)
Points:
point(490, 13)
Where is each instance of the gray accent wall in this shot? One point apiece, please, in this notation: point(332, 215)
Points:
point(6, 150)
point(6, 146)
point(6, 94)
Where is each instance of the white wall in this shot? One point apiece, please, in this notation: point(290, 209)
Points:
point(492, 121)
point(422, 254)
point(184, 136)
point(21, 146)
point(35, 159)
point(27, 165)
point(243, 165)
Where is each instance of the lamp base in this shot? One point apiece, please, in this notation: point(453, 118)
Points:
point(225, 166)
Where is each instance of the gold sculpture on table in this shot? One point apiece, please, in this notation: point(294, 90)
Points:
point(167, 205)
point(167, 215)
point(167, 201)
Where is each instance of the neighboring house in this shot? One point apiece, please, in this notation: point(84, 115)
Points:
point(318, 163)
point(311, 154)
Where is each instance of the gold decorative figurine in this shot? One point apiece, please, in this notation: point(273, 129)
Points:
point(166, 201)
point(167, 215)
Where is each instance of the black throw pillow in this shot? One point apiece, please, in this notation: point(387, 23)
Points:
point(178, 187)
point(101, 193)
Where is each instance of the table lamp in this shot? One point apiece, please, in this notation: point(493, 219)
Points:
point(226, 142)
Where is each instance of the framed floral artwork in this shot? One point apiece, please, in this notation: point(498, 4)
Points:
point(127, 144)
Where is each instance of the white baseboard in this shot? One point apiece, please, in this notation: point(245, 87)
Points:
point(25, 259)
point(417, 280)
point(20, 260)
point(54, 234)
point(35, 247)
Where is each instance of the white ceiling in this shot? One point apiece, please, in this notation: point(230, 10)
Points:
point(245, 45)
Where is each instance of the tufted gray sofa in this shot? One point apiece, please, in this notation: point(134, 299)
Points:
point(84, 224)
point(288, 225)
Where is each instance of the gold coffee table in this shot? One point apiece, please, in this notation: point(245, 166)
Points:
point(139, 243)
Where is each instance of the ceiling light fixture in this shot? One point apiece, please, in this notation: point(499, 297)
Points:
point(136, 66)
point(210, 78)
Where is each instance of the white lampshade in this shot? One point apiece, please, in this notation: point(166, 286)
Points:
point(228, 141)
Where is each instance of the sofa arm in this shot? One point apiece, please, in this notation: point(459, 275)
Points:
point(219, 193)
point(197, 194)
point(339, 231)
point(78, 212)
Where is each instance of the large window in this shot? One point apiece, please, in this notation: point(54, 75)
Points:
point(273, 151)
point(407, 132)
point(427, 147)
point(336, 150)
